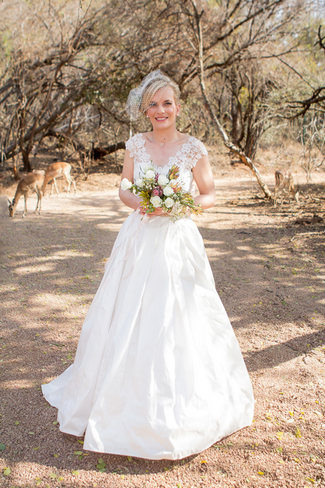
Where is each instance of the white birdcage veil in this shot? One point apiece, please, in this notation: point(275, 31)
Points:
point(136, 103)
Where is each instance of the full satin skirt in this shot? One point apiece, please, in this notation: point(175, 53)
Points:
point(158, 372)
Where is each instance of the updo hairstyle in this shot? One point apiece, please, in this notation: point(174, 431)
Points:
point(152, 88)
point(140, 97)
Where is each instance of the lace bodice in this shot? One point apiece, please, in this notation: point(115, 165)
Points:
point(185, 158)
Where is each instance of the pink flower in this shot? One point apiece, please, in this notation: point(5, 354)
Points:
point(157, 192)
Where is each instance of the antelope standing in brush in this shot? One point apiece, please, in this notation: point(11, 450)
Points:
point(31, 183)
point(57, 170)
point(284, 183)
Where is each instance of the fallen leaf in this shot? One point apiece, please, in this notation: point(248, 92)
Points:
point(7, 471)
point(101, 465)
point(298, 433)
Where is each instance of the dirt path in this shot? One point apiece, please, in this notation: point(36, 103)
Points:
point(270, 274)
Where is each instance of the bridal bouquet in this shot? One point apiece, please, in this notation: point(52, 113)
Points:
point(162, 191)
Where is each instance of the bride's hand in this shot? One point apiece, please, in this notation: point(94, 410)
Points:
point(158, 211)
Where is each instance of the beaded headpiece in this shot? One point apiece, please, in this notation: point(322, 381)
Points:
point(139, 97)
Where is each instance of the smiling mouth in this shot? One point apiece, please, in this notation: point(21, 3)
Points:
point(161, 119)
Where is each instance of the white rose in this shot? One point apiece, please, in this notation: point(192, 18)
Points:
point(150, 174)
point(125, 184)
point(163, 180)
point(169, 202)
point(156, 201)
point(139, 182)
point(168, 191)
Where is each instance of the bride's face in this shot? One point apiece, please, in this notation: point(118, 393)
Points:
point(162, 110)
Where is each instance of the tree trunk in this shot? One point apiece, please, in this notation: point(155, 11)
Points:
point(27, 166)
point(232, 147)
point(235, 149)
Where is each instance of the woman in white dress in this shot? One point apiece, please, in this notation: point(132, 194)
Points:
point(158, 372)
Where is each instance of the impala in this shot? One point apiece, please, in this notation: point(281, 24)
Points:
point(284, 183)
point(57, 170)
point(32, 182)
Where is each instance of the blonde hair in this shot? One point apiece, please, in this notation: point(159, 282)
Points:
point(140, 97)
point(152, 89)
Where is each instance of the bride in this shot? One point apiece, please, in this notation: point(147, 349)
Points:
point(158, 372)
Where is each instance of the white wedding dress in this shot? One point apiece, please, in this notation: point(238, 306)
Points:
point(158, 372)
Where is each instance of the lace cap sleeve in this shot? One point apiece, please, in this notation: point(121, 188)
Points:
point(132, 144)
point(196, 150)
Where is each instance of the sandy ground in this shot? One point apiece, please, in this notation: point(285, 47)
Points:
point(269, 271)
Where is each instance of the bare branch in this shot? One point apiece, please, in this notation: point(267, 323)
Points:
point(321, 38)
point(295, 71)
point(232, 147)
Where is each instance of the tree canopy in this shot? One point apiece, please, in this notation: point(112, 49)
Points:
point(67, 67)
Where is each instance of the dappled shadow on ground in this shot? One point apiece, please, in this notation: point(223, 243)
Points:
point(276, 354)
point(270, 275)
point(267, 273)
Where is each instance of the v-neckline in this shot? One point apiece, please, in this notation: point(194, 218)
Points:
point(170, 157)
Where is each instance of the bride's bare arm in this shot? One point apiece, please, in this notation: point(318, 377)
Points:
point(203, 177)
point(128, 198)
